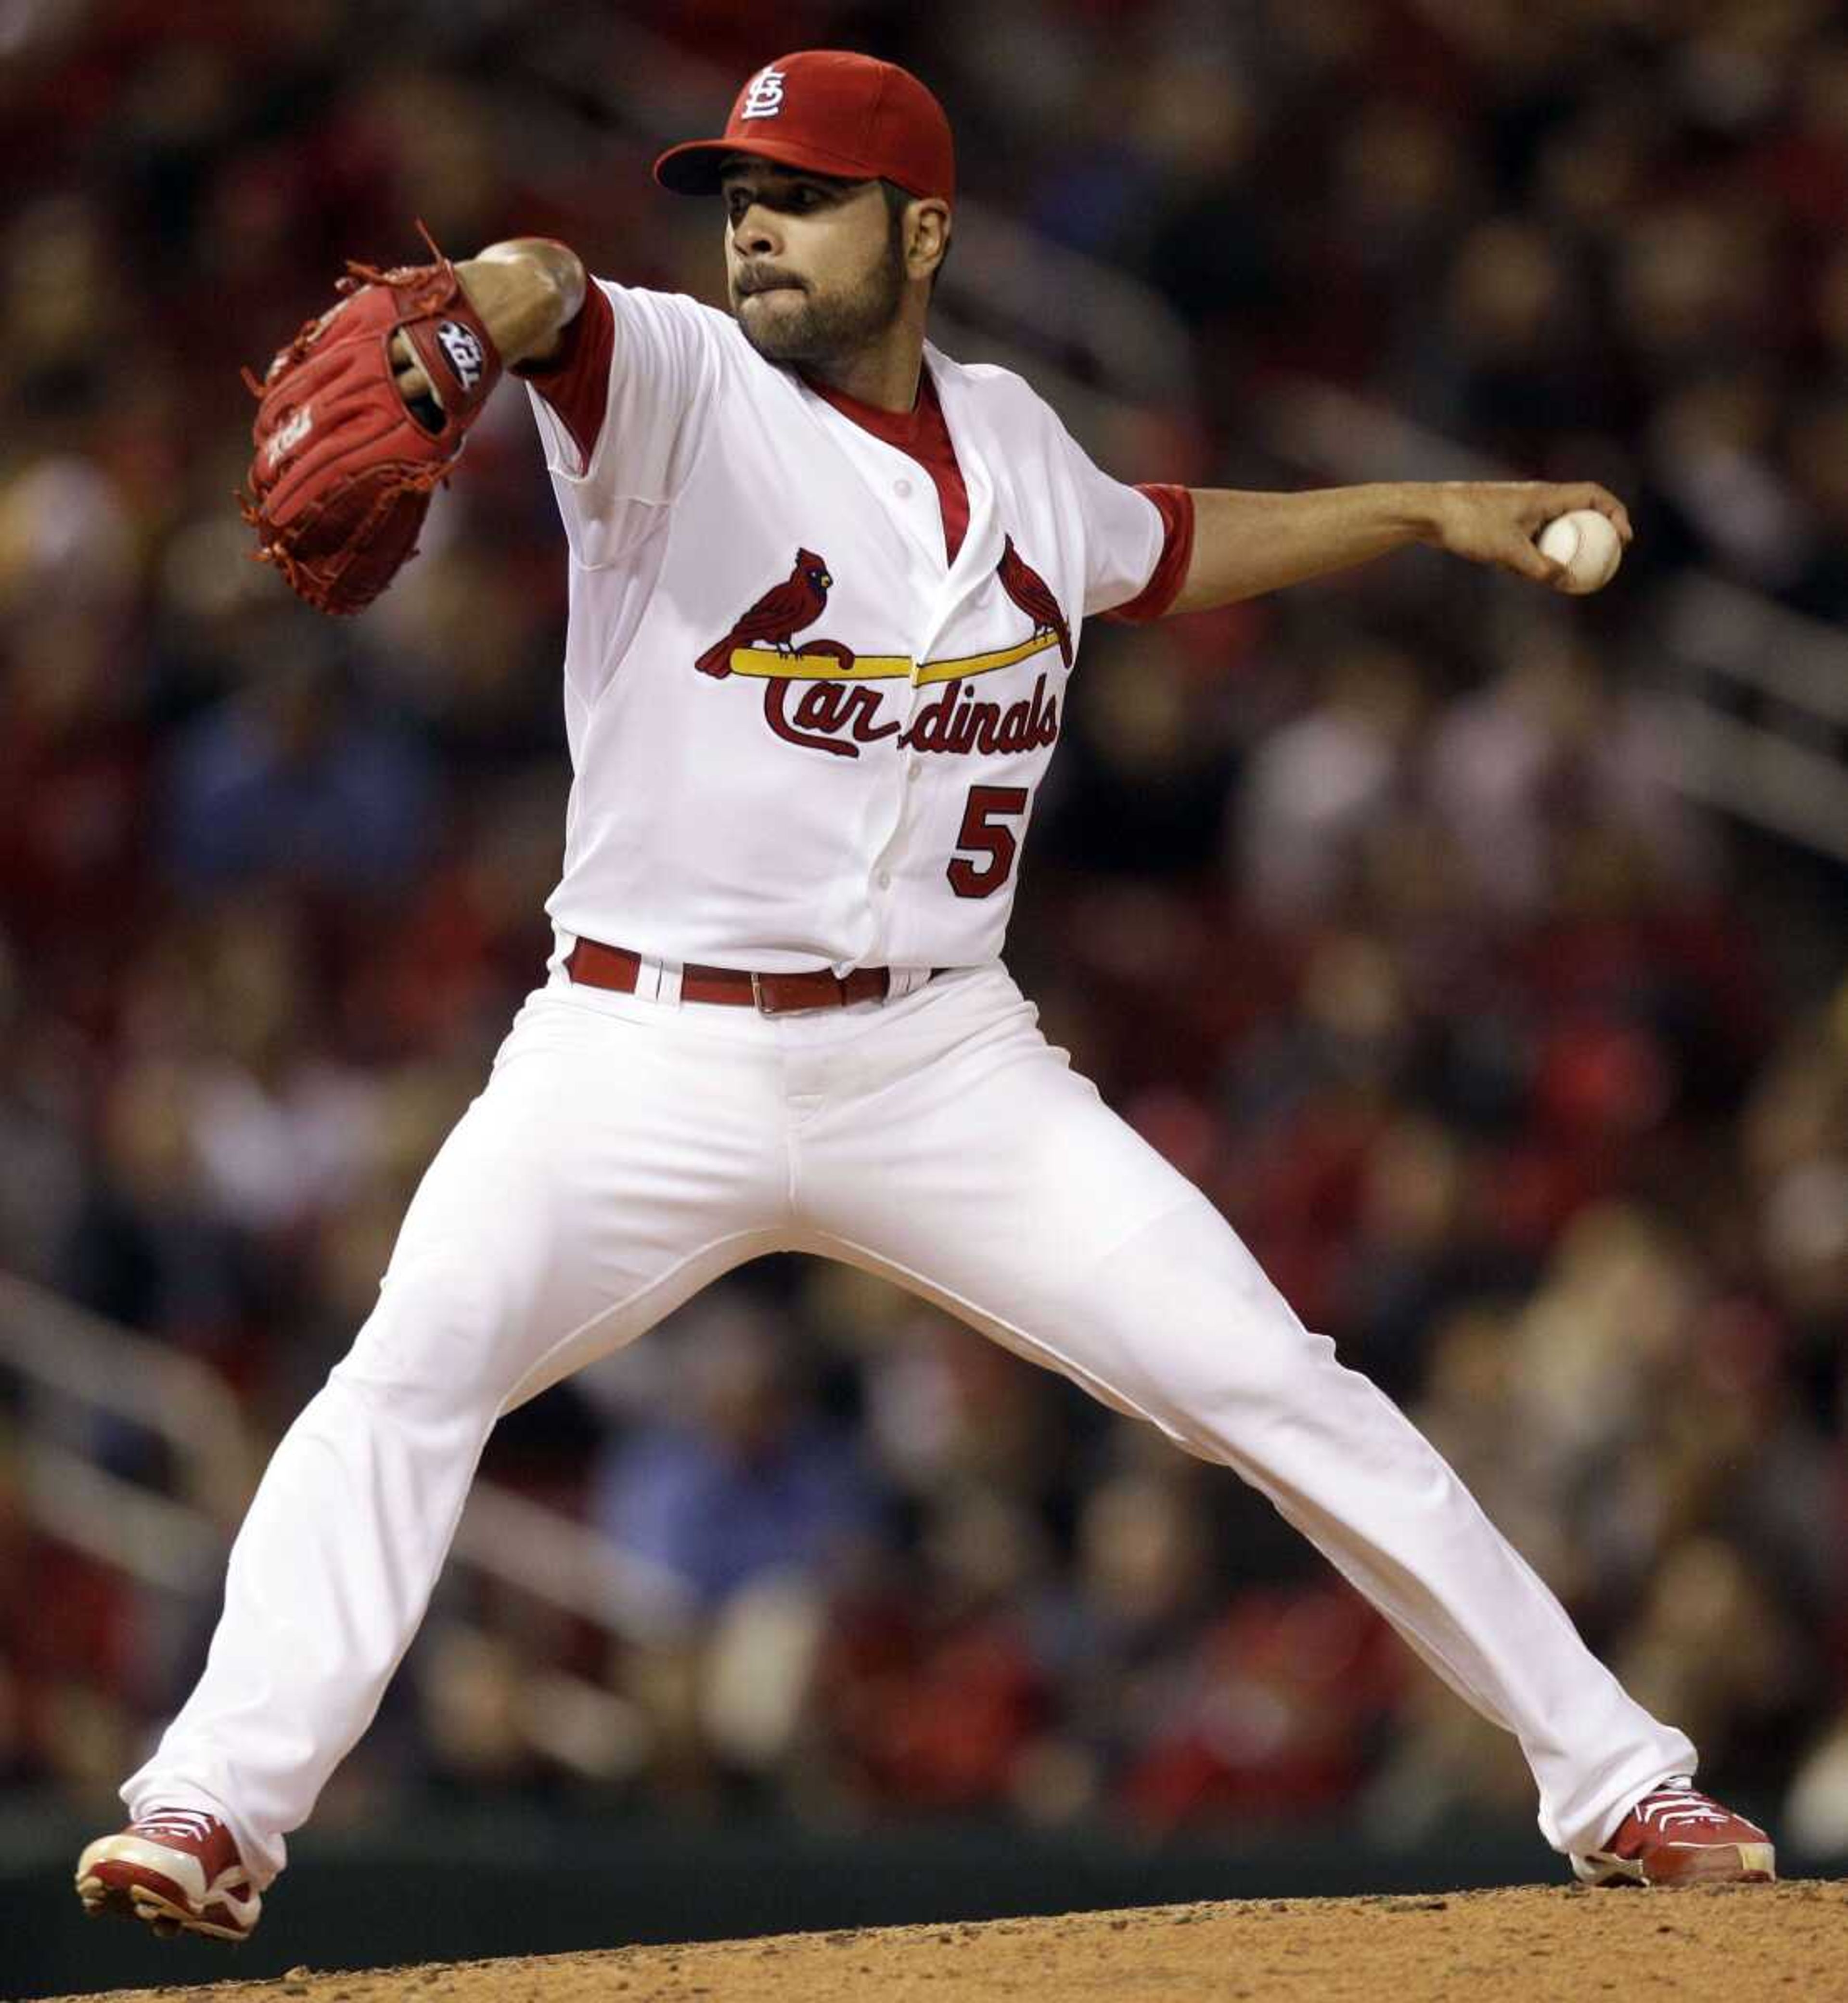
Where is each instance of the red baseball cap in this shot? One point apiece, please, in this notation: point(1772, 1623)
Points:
point(831, 111)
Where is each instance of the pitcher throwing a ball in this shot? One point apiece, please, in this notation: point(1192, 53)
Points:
point(828, 587)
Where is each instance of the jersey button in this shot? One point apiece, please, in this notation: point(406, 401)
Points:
point(885, 879)
point(902, 489)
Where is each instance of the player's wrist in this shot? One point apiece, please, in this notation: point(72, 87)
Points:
point(1421, 510)
point(526, 292)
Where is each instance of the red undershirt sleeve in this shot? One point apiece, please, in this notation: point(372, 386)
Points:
point(576, 381)
point(1176, 507)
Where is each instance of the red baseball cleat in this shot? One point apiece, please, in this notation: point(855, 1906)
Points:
point(177, 1869)
point(1676, 1835)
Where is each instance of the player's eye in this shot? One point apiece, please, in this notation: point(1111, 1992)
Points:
point(799, 197)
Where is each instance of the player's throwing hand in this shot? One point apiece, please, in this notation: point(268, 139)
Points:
point(1496, 521)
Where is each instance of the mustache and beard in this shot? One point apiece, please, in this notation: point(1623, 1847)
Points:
point(805, 329)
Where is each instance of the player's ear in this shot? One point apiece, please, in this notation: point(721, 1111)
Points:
point(926, 237)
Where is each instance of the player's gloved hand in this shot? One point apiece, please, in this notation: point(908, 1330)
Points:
point(345, 462)
point(1495, 521)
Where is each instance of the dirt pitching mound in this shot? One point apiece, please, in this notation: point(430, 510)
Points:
point(1533, 1945)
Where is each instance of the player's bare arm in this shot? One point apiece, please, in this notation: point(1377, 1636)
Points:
point(528, 291)
point(1247, 544)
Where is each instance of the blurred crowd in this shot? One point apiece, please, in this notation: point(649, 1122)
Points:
point(1374, 907)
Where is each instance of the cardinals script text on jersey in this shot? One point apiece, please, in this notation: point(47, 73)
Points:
point(827, 716)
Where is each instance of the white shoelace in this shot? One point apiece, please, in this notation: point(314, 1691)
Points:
point(191, 1823)
point(1677, 1804)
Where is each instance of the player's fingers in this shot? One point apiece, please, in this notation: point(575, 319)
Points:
point(1525, 559)
point(407, 372)
point(1588, 494)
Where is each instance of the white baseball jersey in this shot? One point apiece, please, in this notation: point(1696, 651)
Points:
point(800, 737)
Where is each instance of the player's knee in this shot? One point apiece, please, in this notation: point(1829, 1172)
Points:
point(1234, 1383)
point(1284, 1373)
point(1203, 1331)
point(436, 1346)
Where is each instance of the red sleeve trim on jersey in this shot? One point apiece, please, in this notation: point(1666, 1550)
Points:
point(576, 381)
point(1176, 505)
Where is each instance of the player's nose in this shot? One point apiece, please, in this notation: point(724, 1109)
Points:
point(754, 233)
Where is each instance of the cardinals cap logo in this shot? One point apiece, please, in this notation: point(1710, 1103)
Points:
point(765, 98)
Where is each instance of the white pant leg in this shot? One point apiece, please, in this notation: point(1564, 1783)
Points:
point(985, 1174)
point(614, 1163)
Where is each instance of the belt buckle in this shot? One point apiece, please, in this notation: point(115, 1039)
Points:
point(765, 1008)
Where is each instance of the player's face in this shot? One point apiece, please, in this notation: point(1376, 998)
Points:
point(815, 268)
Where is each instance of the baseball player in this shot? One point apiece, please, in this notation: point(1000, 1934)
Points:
point(828, 587)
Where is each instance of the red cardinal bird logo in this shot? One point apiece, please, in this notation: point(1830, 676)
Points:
point(783, 611)
point(1031, 592)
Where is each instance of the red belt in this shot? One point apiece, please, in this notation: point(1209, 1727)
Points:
point(595, 964)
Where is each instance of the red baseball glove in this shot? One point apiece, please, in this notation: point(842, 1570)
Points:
point(341, 480)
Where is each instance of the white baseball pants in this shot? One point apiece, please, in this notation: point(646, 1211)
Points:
point(626, 1151)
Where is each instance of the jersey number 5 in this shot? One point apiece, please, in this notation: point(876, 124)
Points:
point(982, 831)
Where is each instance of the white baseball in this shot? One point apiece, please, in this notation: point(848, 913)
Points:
point(1588, 544)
